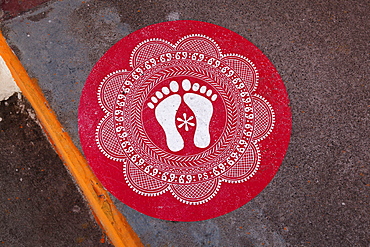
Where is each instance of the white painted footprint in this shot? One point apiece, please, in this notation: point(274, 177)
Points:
point(202, 108)
point(165, 113)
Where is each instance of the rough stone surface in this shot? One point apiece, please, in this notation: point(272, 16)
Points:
point(320, 196)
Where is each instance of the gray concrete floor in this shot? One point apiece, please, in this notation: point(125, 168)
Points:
point(320, 196)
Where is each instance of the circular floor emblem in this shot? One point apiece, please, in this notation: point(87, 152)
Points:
point(184, 120)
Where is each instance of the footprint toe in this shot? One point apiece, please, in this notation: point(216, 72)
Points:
point(196, 87)
point(186, 85)
point(174, 86)
point(165, 90)
point(154, 100)
point(159, 95)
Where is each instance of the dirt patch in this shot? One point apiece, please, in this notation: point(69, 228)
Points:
point(40, 204)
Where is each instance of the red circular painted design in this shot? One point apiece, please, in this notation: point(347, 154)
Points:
point(184, 120)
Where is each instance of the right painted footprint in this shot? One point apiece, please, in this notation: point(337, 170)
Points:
point(198, 99)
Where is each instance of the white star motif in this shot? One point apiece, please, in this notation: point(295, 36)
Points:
point(185, 122)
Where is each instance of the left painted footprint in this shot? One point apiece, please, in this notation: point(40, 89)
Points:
point(201, 105)
point(165, 113)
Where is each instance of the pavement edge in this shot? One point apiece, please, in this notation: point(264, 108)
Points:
point(111, 220)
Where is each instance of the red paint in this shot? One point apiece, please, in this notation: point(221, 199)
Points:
point(138, 144)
